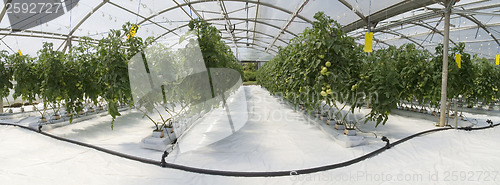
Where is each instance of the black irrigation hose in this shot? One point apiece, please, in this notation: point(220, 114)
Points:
point(139, 159)
point(254, 174)
point(479, 128)
point(417, 134)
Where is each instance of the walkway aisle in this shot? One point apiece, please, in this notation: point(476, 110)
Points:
point(275, 137)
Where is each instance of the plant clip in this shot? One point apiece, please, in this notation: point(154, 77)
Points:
point(163, 163)
point(388, 143)
point(469, 128)
point(490, 122)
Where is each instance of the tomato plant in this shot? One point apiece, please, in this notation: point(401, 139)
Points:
point(382, 83)
point(321, 64)
point(216, 53)
point(486, 82)
point(112, 54)
point(50, 66)
point(5, 75)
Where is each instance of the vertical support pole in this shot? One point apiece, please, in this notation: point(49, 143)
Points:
point(446, 43)
point(1, 105)
point(456, 113)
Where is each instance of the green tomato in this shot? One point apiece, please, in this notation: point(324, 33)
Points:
point(323, 93)
point(324, 70)
point(328, 64)
point(354, 87)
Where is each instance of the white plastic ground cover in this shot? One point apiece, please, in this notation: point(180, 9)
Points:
point(275, 138)
point(215, 125)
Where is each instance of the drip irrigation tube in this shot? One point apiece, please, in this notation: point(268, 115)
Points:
point(139, 159)
point(250, 173)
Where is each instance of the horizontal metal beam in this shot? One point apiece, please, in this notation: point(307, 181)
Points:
point(481, 25)
point(403, 36)
point(238, 39)
point(240, 9)
point(408, 20)
point(133, 13)
point(433, 30)
point(489, 6)
point(260, 33)
point(45, 36)
point(389, 12)
point(436, 12)
point(221, 19)
point(359, 14)
point(81, 22)
point(34, 36)
point(468, 12)
point(204, 1)
point(255, 44)
point(261, 50)
point(478, 41)
point(285, 27)
point(33, 32)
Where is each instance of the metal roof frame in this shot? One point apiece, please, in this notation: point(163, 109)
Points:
point(373, 22)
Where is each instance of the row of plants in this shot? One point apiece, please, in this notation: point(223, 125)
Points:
point(322, 64)
point(90, 73)
point(216, 53)
point(249, 72)
point(407, 74)
point(187, 89)
point(5, 75)
point(325, 66)
point(94, 73)
point(416, 76)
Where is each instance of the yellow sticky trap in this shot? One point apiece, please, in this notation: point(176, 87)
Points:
point(498, 60)
point(458, 60)
point(19, 51)
point(133, 30)
point(368, 41)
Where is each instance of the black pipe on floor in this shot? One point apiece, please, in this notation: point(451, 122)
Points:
point(164, 164)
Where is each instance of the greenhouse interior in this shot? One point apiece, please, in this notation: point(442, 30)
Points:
point(250, 92)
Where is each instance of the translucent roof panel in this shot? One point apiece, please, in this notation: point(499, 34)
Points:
point(334, 9)
point(111, 16)
point(472, 21)
point(27, 45)
point(266, 25)
point(369, 6)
